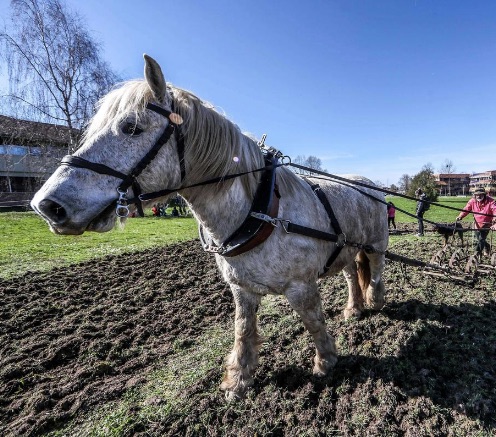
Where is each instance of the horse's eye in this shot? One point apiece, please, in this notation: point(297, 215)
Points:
point(131, 129)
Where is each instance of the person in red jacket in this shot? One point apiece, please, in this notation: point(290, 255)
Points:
point(391, 213)
point(481, 203)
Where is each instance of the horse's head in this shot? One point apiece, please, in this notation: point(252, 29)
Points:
point(81, 194)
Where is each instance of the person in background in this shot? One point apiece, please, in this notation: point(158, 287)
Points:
point(481, 203)
point(391, 212)
point(420, 195)
point(175, 212)
point(161, 209)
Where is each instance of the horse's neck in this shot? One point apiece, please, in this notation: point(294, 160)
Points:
point(219, 210)
point(221, 207)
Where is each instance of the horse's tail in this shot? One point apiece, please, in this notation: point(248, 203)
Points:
point(363, 268)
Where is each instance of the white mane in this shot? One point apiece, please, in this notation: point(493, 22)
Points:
point(214, 145)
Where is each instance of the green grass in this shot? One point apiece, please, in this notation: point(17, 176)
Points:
point(26, 243)
point(436, 213)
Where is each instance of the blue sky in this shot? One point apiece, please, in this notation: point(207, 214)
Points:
point(372, 87)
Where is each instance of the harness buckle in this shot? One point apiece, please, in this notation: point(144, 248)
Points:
point(285, 225)
point(213, 249)
point(122, 209)
point(270, 150)
point(341, 240)
point(265, 218)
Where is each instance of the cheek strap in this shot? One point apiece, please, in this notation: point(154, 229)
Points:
point(130, 180)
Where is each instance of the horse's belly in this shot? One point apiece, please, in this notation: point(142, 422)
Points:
point(272, 268)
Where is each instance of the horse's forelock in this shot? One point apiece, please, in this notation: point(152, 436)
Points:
point(130, 96)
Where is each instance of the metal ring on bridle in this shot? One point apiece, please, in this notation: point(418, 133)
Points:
point(122, 209)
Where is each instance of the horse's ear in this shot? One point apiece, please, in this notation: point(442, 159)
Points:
point(155, 78)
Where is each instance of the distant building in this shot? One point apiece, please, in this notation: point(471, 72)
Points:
point(29, 153)
point(486, 180)
point(453, 184)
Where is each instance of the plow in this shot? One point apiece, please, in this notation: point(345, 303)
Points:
point(459, 260)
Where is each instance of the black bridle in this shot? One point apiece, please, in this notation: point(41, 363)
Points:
point(130, 180)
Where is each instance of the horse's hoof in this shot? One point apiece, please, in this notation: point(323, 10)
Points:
point(376, 305)
point(352, 313)
point(319, 373)
point(322, 368)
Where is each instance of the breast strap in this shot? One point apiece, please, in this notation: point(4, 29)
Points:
point(252, 231)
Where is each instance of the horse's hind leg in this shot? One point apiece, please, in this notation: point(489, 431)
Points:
point(305, 300)
point(354, 307)
point(241, 363)
point(374, 293)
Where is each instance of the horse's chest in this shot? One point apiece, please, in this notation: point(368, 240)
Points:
point(260, 277)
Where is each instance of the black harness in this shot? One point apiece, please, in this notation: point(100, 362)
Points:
point(257, 226)
point(130, 180)
point(259, 223)
point(338, 238)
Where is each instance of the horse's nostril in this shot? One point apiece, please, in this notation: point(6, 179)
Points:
point(52, 210)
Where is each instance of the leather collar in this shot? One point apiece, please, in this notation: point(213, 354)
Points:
point(252, 231)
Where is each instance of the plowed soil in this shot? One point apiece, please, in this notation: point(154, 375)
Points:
point(74, 339)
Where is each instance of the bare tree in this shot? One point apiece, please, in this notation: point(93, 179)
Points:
point(311, 162)
point(448, 168)
point(405, 182)
point(54, 66)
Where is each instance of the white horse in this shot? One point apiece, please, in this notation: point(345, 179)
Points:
point(81, 196)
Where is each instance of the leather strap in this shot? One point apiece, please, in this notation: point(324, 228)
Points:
point(252, 231)
point(76, 161)
point(179, 134)
point(334, 223)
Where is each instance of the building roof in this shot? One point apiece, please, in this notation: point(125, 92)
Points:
point(35, 131)
point(453, 175)
point(484, 173)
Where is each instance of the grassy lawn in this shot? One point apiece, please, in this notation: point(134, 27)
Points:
point(436, 213)
point(26, 243)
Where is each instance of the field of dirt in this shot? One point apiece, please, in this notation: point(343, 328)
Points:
point(74, 339)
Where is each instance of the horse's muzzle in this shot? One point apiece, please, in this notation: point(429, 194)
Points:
point(51, 211)
point(56, 216)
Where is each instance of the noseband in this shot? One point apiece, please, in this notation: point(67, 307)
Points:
point(130, 180)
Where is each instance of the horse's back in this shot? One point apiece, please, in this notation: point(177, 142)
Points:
point(360, 210)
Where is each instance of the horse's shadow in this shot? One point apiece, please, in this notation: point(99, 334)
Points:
point(450, 359)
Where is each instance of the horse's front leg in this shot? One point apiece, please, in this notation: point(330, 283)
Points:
point(305, 300)
point(241, 363)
